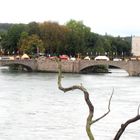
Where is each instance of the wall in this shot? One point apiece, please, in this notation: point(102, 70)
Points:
point(134, 68)
point(50, 65)
point(136, 46)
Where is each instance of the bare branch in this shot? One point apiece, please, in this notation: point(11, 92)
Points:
point(123, 126)
point(107, 111)
point(80, 87)
point(86, 96)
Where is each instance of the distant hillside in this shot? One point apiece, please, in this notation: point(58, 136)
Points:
point(5, 26)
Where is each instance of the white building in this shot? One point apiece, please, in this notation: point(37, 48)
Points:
point(135, 46)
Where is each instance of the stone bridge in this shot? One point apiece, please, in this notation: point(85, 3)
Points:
point(48, 65)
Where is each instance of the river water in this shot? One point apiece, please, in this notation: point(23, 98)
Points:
point(32, 107)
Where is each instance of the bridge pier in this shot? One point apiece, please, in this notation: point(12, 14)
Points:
point(134, 68)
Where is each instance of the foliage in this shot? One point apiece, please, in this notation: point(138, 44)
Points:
point(11, 39)
point(31, 45)
point(72, 39)
point(33, 28)
point(54, 37)
point(78, 36)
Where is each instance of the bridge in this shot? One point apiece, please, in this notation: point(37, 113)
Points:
point(48, 65)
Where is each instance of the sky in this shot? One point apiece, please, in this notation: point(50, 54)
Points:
point(112, 17)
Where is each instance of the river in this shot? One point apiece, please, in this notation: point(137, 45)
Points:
point(32, 107)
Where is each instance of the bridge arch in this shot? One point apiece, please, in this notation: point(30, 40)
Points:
point(89, 64)
point(29, 65)
point(19, 66)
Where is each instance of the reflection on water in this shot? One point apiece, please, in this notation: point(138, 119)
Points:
point(32, 107)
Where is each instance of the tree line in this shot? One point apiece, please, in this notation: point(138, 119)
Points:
point(74, 38)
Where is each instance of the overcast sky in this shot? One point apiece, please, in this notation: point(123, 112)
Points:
point(114, 17)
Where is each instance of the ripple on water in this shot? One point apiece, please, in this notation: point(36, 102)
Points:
point(32, 107)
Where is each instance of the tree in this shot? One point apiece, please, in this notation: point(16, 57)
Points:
point(107, 45)
point(31, 45)
point(99, 46)
point(121, 45)
point(72, 38)
point(33, 28)
point(78, 37)
point(11, 39)
point(54, 37)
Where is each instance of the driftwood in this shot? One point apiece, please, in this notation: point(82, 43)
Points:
point(123, 126)
point(90, 120)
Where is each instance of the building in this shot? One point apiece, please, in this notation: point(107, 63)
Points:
point(136, 46)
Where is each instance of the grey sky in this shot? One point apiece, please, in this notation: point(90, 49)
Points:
point(114, 17)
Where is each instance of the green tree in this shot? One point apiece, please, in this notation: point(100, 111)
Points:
point(78, 36)
point(99, 46)
point(107, 44)
point(11, 39)
point(33, 28)
point(31, 45)
point(71, 39)
point(54, 37)
point(121, 46)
